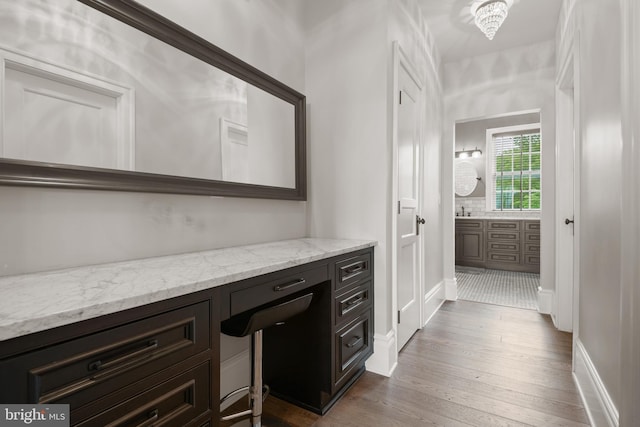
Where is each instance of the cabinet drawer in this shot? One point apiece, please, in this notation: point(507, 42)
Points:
point(532, 226)
point(532, 237)
point(353, 344)
point(503, 225)
point(470, 224)
point(176, 402)
point(532, 248)
point(81, 370)
point(504, 246)
point(275, 288)
point(513, 236)
point(349, 304)
point(511, 258)
point(532, 259)
point(353, 269)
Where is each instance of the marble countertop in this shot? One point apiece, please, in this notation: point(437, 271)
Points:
point(40, 301)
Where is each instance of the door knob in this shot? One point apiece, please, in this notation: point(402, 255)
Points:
point(568, 221)
point(418, 222)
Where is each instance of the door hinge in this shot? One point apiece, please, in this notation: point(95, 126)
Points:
point(398, 316)
point(400, 98)
point(398, 207)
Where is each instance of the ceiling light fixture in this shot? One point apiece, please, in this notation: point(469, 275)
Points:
point(489, 15)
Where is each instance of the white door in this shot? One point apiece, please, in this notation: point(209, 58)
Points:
point(565, 203)
point(407, 225)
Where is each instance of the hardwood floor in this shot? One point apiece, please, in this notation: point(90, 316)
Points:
point(473, 365)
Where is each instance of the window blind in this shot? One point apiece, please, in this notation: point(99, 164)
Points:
point(516, 170)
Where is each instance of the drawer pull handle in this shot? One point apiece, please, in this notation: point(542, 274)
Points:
point(153, 417)
point(355, 301)
point(99, 365)
point(354, 341)
point(298, 282)
point(354, 268)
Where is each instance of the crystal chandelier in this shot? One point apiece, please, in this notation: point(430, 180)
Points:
point(489, 15)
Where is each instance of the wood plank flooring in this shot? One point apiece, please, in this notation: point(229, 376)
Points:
point(473, 365)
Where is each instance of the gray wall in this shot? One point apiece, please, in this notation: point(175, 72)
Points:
point(600, 195)
point(349, 76)
point(472, 134)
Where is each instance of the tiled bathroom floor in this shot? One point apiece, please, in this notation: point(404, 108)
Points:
point(498, 287)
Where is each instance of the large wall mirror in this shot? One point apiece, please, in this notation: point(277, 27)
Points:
point(106, 94)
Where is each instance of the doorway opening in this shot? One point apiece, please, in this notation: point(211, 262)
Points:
point(498, 208)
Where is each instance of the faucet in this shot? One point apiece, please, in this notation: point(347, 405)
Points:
point(462, 210)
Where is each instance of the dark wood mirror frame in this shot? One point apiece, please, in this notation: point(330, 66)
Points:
point(29, 173)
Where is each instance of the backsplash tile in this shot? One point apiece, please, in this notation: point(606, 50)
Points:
point(478, 205)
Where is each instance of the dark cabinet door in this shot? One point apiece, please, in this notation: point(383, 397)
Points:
point(472, 245)
point(469, 247)
point(470, 242)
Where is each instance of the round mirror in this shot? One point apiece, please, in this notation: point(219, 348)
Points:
point(466, 178)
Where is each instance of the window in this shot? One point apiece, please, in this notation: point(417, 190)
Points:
point(514, 166)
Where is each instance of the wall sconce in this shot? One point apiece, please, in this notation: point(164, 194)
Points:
point(465, 154)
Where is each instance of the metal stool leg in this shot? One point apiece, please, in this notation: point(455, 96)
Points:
point(257, 391)
point(256, 373)
point(253, 324)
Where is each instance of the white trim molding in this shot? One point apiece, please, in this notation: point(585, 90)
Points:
point(490, 159)
point(123, 96)
point(451, 289)
point(630, 290)
point(433, 300)
point(597, 401)
point(545, 301)
point(384, 359)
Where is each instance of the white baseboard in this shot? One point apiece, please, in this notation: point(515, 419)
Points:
point(545, 301)
point(235, 372)
point(384, 359)
point(451, 289)
point(600, 408)
point(433, 300)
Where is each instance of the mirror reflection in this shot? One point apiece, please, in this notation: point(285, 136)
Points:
point(82, 88)
point(466, 178)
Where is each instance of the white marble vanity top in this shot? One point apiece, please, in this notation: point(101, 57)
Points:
point(35, 302)
point(496, 217)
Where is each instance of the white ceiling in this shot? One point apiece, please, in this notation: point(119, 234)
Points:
point(457, 37)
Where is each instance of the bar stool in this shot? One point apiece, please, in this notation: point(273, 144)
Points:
point(252, 323)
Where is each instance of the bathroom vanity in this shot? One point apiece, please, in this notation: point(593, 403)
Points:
point(138, 342)
point(498, 243)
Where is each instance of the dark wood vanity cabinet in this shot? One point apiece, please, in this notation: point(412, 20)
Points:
point(155, 364)
point(352, 318)
point(159, 364)
point(501, 244)
point(470, 238)
point(312, 360)
point(531, 245)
